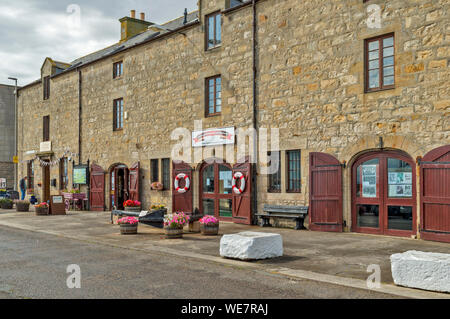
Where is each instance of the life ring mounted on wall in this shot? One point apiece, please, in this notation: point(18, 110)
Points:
point(238, 190)
point(187, 185)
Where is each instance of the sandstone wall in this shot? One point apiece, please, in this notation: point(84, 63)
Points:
point(310, 86)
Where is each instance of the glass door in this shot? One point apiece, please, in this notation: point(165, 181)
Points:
point(383, 192)
point(368, 196)
point(216, 188)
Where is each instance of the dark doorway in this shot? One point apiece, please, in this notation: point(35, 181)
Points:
point(119, 186)
point(46, 182)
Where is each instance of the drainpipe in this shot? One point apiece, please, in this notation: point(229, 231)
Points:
point(80, 112)
point(255, 109)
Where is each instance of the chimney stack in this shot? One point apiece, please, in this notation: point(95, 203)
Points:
point(130, 26)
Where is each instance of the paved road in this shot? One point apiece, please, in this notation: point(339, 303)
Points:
point(33, 265)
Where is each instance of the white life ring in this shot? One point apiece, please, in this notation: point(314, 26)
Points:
point(241, 189)
point(177, 185)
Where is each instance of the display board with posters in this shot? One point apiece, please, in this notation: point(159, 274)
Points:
point(400, 184)
point(369, 180)
point(80, 175)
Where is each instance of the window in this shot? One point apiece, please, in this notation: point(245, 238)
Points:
point(118, 114)
point(30, 175)
point(155, 170)
point(275, 176)
point(213, 30)
point(117, 69)
point(379, 65)
point(46, 87)
point(46, 128)
point(293, 171)
point(166, 173)
point(63, 174)
point(213, 95)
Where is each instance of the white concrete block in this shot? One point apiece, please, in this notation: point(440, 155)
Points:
point(416, 269)
point(251, 246)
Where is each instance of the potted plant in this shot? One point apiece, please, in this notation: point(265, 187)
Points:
point(132, 206)
point(209, 225)
point(41, 209)
point(128, 225)
point(157, 186)
point(22, 205)
point(6, 203)
point(174, 224)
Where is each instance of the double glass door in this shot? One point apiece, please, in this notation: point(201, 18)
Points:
point(216, 191)
point(383, 192)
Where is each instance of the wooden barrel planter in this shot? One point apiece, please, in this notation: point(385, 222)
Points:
point(173, 233)
point(41, 211)
point(127, 229)
point(209, 230)
point(22, 207)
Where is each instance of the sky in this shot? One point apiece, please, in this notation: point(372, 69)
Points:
point(31, 30)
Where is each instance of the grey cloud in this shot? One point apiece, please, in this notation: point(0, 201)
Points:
point(32, 30)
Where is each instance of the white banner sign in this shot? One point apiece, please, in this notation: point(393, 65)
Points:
point(220, 136)
point(2, 183)
point(46, 147)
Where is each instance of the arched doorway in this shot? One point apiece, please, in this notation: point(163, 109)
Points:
point(119, 177)
point(216, 193)
point(384, 194)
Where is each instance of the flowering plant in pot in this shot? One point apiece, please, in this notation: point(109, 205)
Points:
point(132, 206)
point(209, 225)
point(157, 186)
point(6, 203)
point(22, 205)
point(41, 209)
point(174, 224)
point(128, 225)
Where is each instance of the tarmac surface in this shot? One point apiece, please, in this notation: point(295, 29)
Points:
point(337, 258)
point(34, 265)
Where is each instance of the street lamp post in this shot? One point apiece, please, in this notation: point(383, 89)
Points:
point(16, 165)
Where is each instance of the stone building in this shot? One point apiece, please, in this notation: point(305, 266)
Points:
point(7, 144)
point(357, 92)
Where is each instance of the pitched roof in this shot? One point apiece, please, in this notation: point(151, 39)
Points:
point(137, 39)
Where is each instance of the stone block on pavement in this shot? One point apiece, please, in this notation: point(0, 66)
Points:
point(251, 246)
point(416, 269)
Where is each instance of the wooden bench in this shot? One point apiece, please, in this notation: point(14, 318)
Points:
point(297, 213)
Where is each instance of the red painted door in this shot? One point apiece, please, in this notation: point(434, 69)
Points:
point(216, 193)
point(383, 194)
point(435, 195)
point(242, 202)
point(325, 204)
point(97, 196)
point(182, 201)
point(134, 182)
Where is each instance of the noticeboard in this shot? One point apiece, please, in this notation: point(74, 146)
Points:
point(80, 175)
point(57, 205)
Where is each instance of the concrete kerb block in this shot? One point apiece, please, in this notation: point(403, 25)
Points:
point(422, 270)
point(251, 246)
